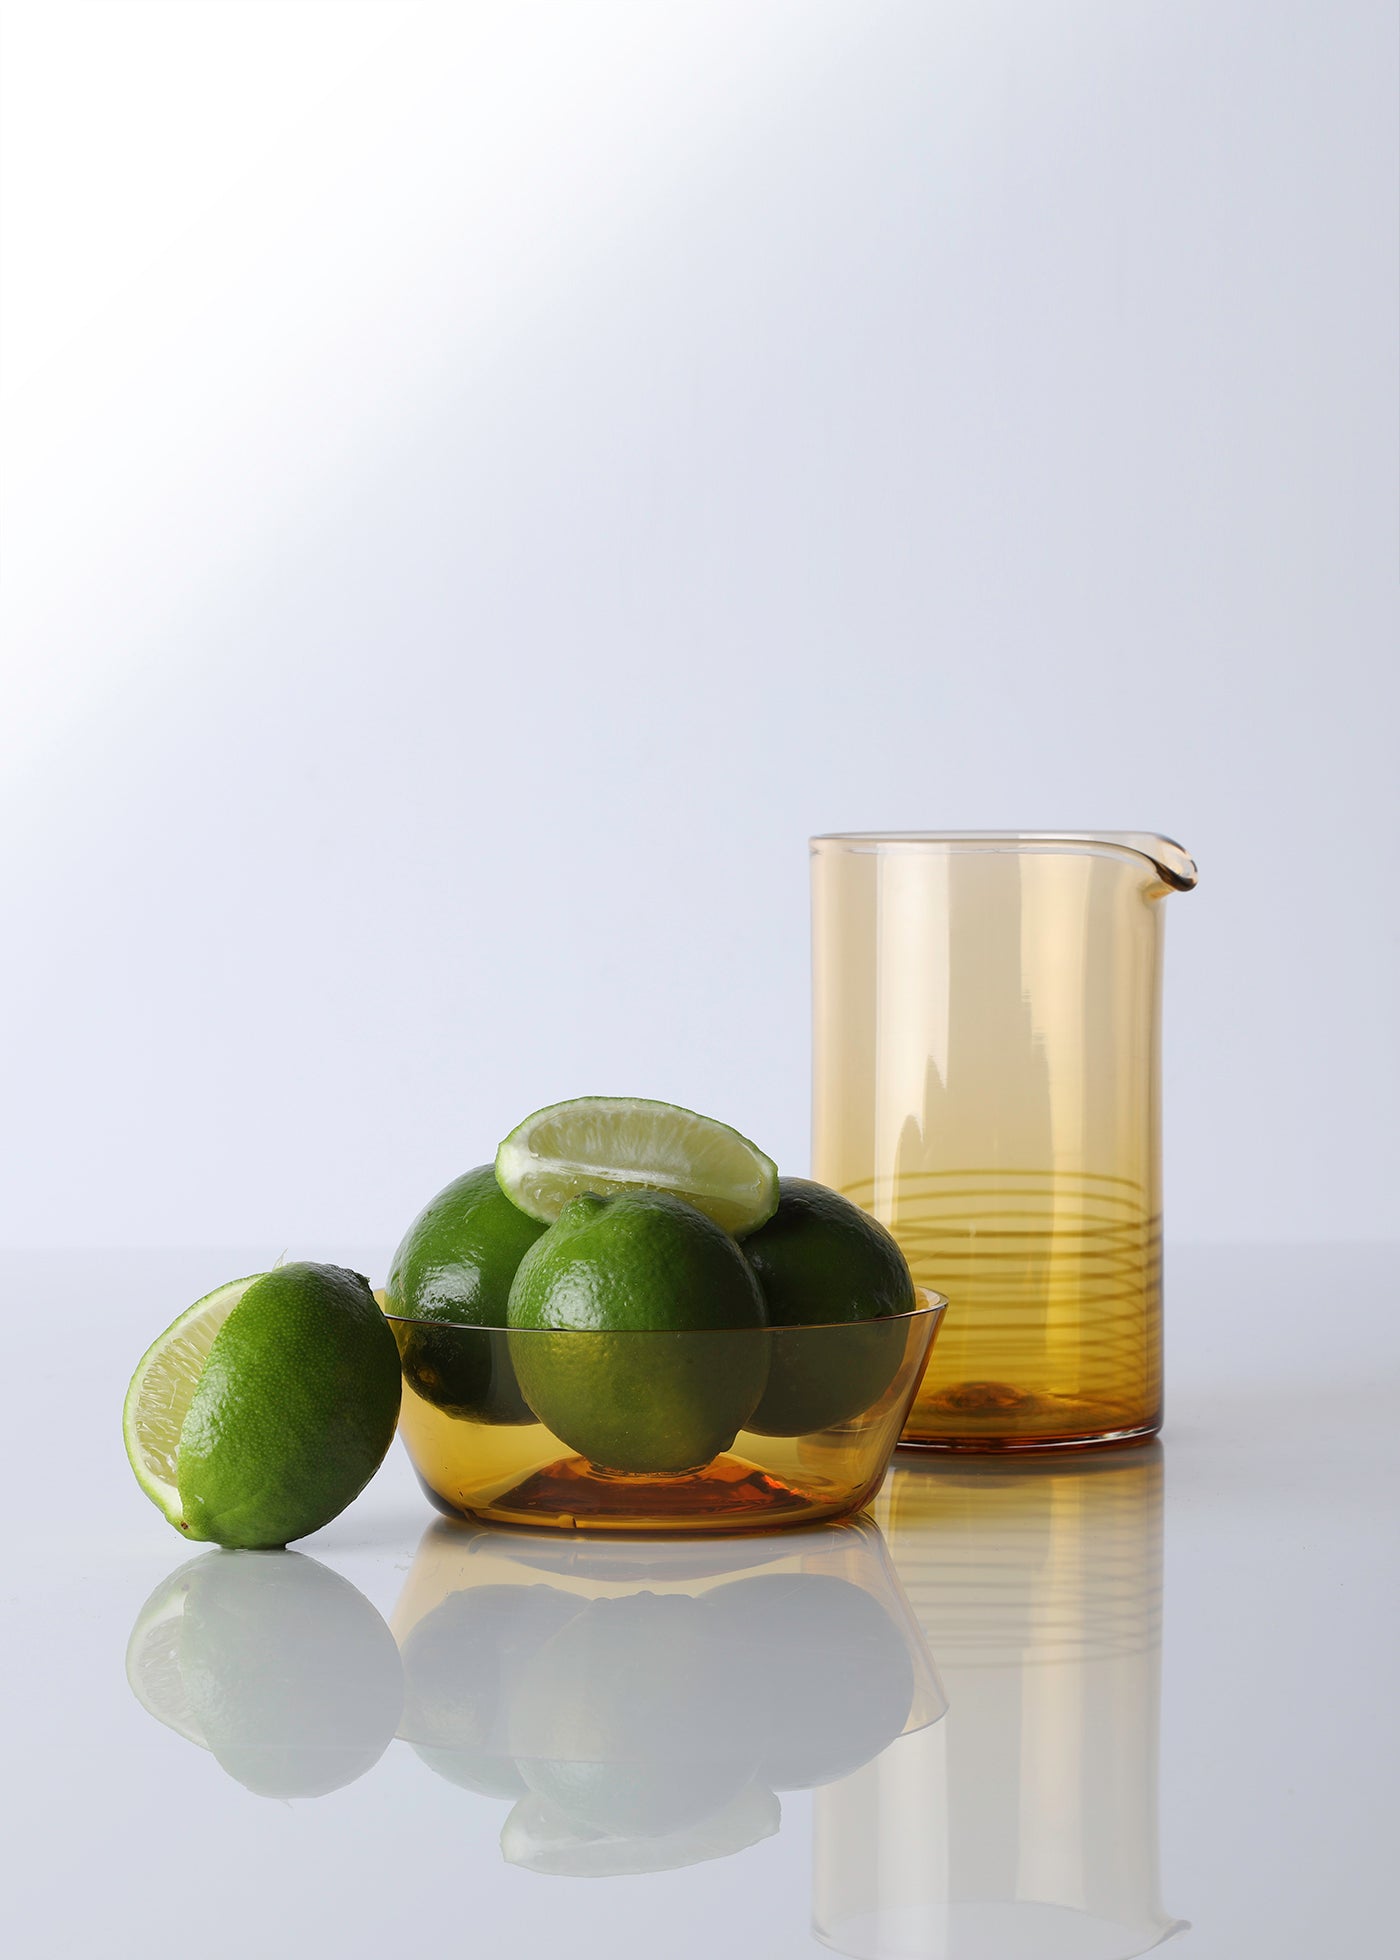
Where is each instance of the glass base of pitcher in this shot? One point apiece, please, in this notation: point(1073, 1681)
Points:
point(1099, 1439)
point(995, 1416)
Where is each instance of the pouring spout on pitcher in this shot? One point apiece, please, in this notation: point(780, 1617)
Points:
point(1175, 865)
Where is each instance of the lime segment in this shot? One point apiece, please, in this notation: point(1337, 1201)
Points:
point(162, 1389)
point(619, 1143)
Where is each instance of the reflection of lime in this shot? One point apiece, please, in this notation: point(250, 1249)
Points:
point(543, 1838)
point(817, 1670)
point(462, 1662)
point(641, 1378)
point(624, 1143)
point(822, 1261)
point(622, 1718)
point(285, 1671)
point(456, 1263)
point(262, 1411)
point(475, 1770)
point(635, 1799)
point(462, 1665)
point(153, 1655)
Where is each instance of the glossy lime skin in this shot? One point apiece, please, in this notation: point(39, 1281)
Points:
point(293, 1412)
point(659, 1355)
point(456, 1264)
point(823, 1262)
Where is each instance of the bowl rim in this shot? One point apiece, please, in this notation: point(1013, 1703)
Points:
point(931, 1307)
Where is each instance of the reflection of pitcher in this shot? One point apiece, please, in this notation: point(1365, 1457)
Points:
point(1025, 1823)
point(986, 1082)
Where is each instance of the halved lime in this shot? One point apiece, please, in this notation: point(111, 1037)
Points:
point(266, 1407)
point(162, 1389)
point(621, 1143)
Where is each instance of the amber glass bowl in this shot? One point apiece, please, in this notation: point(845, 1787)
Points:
point(836, 1396)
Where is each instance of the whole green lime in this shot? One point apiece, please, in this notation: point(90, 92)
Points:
point(828, 1269)
point(455, 1265)
point(636, 1333)
point(266, 1407)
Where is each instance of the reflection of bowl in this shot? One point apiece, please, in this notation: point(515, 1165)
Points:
point(801, 1641)
point(461, 1666)
point(625, 1721)
point(524, 1473)
point(642, 1699)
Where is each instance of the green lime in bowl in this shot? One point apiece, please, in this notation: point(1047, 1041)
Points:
point(638, 1264)
point(603, 1144)
point(672, 1339)
point(821, 1262)
point(454, 1267)
point(653, 1430)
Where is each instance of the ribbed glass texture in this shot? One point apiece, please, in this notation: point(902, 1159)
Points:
point(986, 1082)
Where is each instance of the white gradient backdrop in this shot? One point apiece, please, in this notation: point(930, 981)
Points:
point(485, 481)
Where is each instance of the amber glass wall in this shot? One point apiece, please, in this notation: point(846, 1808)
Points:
point(986, 1082)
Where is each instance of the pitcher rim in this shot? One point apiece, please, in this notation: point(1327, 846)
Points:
point(1173, 863)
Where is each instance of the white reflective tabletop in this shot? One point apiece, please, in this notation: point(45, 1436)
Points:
point(1020, 1710)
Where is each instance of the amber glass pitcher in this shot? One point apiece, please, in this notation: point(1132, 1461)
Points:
point(986, 1082)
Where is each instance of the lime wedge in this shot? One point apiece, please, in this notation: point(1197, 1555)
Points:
point(162, 1389)
point(619, 1143)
